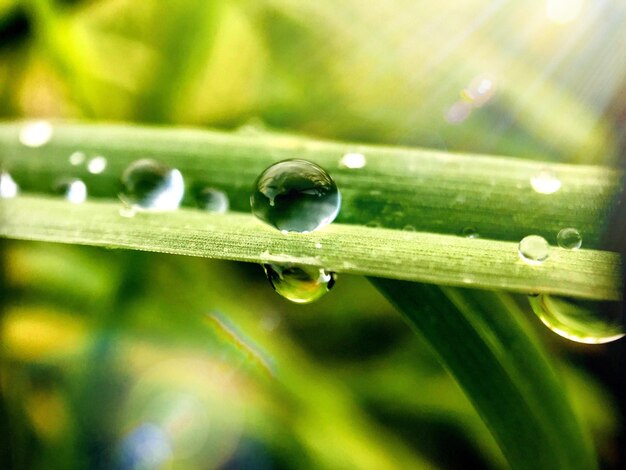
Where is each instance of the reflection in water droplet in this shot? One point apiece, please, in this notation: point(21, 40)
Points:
point(583, 321)
point(470, 232)
point(295, 196)
point(77, 158)
point(97, 165)
point(300, 284)
point(569, 238)
point(36, 133)
point(534, 249)
point(212, 200)
point(151, 185)
point(353, 160)
point(8, 187)
point(72, 189)
point(545, 182)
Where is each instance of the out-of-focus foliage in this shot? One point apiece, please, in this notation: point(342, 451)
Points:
point(150, 361)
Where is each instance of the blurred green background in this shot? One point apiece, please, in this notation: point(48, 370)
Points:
point(114, 359)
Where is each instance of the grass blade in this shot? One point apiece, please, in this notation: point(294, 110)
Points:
point(501, 370)
point(417, 256)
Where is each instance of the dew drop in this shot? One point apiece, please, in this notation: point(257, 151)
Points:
point(534, 249)
point(470, 232)
point(353, 160)
point(36, 133)
point(148, 185)
point(97, 165)
point(545, 182)
point(8, 186)
point(212, 200)
point(73, 190)
point(77, 158)
point(300, 284)
point(583, 321)
point(569, 238)
point(295, 196)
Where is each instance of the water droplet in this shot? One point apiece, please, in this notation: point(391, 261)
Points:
point(318, 245)
point(534, 249)
point(212, 200)
point(480, 90)
point(97, 165)
point(545, 182)
point(300, 284)
point(583, 321)
point(295, 196)
point(470, 232)
point(36, 133)
point(72, 189)
point(77, 158)
point(151, 185)
point(8, 187)
point(408, 228)
point(569, 238)
point(353, 160)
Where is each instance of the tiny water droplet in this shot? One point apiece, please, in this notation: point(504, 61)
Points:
point(569, 238)
point(148, 185)
point(295, 196)
point(36, 133)
point(212, 200)
point(408, 228)
point(73, 190)
point(545, 182)
point(470, 232)
point(353, 160)
point(300, 284)
point(8, 186)
point(534, 249)
point(97, 165)
point(77, 158)
point(583, 321)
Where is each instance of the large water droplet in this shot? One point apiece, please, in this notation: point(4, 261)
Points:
point(300, 284)
point(545, 182)
point(569, 238)
point(8, 187)
point(534, 249)
point(212, 200)
point(295, 196)
point(72, 189)
point(583, 321)
point(36, 133)
point(151, 185)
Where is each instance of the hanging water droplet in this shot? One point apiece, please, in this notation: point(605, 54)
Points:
point(545, 182)
point(151, 185)
point(583, 321)
point(534, 249)
point(569, 238)
point(300, 284)
point(36, 133)
point(295, 196)
point(97, 165)
point(72, 189)
point(8, 187)
point(470, 232)
point(353, 160)
point(212, 200)
point(77, 158)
